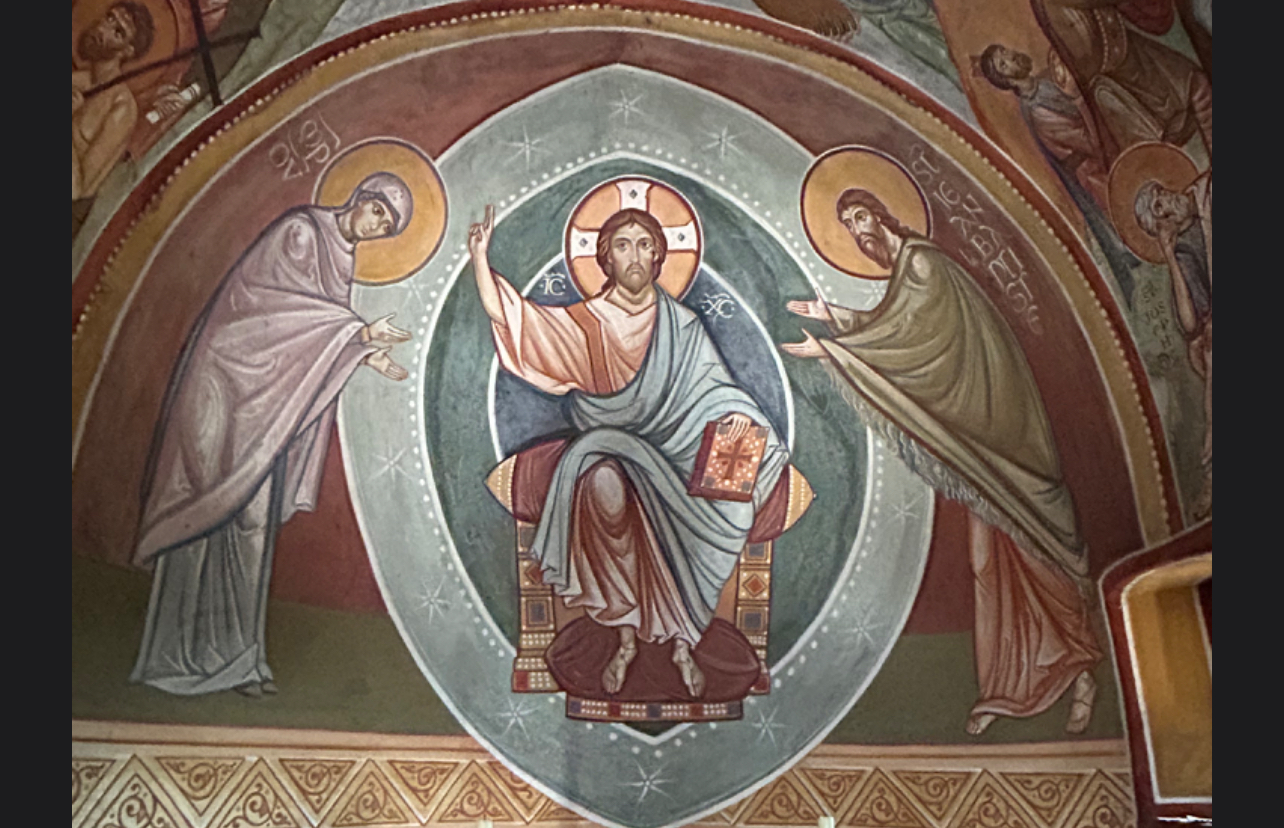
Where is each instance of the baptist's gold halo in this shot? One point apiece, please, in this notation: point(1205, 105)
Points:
point(1151, 161)
point(388, 260)
point(668, 206)
point(165, 40)
point(867, 169)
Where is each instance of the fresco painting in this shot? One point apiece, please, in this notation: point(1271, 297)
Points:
point(136, 67)
point(629, 415)
point(1086, 90)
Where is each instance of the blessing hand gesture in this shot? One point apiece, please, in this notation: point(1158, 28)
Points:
point(479, 234)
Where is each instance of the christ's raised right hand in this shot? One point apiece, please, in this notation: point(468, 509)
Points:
point(479, 234)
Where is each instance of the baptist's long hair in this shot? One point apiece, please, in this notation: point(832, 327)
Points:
point(856, 197)
point(622, 219)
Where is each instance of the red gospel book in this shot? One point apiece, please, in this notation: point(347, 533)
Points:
point(727, 469)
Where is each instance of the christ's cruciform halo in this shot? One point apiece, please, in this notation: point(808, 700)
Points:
point(669, 207)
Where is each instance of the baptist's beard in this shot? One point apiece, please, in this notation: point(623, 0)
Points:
point(1025, 64)
point(875, 248)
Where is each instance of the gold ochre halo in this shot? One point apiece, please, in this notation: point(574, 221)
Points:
point(866, 168)
point(1151, 161)
point(681, 230)
point(388, 260)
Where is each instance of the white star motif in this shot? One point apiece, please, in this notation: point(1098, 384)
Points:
point(526, 148)
point(391, 464)
point(515, 716)
point(722, 141)
point(415, 295)
point(906, 511)
point(649, 782)
point(864, 629)
point(626, 106)
point(434, 603)
point(767, 726)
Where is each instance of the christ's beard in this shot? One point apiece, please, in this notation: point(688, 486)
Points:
point(876, 249)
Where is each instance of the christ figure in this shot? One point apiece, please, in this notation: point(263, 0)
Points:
point(619, 534)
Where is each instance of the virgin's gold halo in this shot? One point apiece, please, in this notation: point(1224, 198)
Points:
point(391, 259)
point(866, 169)
point(667, 205)
point(1151, 161)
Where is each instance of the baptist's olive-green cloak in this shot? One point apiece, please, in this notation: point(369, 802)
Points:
point(940, 375)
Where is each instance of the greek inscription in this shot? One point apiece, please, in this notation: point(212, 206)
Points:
point(920, 167)
point(306, 145)
point(553, 284)
point(982, 247)
point(717, 306)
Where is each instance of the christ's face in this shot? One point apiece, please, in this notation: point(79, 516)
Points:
point(110, 37)
point(632, 257)
point(371, 219)
point(867, 231)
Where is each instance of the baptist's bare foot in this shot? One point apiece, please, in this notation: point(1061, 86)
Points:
point(617, 668)
point(691, 675)
point(1085, 693)
point(269, 687)
point(978, 722)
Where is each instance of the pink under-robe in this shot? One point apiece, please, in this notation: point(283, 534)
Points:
point(619, 575)
point(1033, 635)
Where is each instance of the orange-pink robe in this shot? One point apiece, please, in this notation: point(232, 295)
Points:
point(618, 573)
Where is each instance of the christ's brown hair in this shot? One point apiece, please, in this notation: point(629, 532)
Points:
point(623, 219)
point(855, 197)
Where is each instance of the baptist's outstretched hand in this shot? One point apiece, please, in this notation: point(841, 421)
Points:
point(809, 347)
point(816, 309)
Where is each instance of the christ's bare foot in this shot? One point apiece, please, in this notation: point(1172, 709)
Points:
point(978, 722)
point(691, 675)
point(1085, 693)
point(617, 668)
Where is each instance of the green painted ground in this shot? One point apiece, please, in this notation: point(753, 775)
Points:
point(345, 671)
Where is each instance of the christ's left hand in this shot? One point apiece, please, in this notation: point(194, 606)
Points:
point(740, 425)
point(809, 347)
